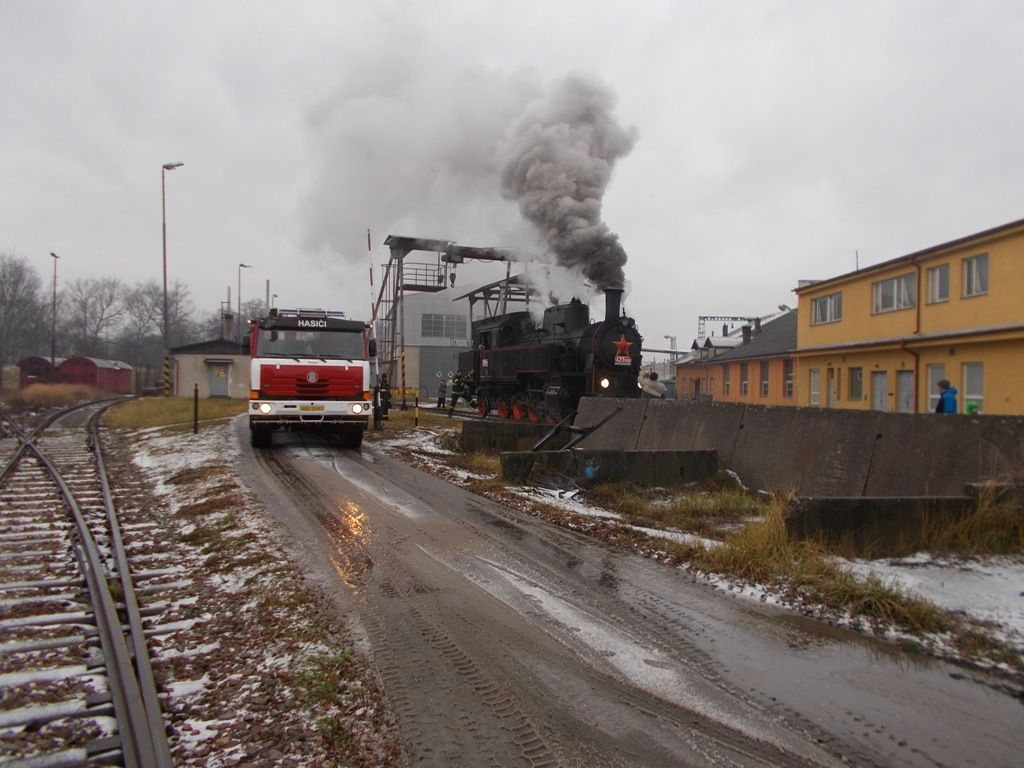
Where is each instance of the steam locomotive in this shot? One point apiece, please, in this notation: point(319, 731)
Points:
point(529, 373)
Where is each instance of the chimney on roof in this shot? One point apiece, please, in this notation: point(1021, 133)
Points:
point(757, 325)
point(725, 329)
point(745, 330)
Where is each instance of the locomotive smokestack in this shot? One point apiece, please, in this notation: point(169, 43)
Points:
point(612, 304)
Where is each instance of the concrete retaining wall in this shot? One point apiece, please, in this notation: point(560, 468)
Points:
point(648, 468)
point(492, 435)
point(820, 452)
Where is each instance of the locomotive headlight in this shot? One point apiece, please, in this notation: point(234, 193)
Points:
point(605, 383)
point(266, 408)
point(357, 408)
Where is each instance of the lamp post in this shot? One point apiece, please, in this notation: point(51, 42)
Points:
point(53, 328)
point(163, 209)
point(273, 299)
point(238, 325)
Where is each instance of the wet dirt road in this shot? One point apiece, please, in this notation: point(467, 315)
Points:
point(505, 641)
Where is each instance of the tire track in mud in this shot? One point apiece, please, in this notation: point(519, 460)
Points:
point(415, 650)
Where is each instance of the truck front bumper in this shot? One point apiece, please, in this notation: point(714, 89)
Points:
point(282, 412)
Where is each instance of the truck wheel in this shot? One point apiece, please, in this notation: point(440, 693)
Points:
point(261, 437)
point(351, 437)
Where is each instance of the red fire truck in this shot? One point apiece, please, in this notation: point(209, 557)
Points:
point(309, 369)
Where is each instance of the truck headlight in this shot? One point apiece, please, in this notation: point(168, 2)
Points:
point(357, 408)
point(265, 408)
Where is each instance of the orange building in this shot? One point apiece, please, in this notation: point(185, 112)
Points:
point(756, 367)
point(882, 337)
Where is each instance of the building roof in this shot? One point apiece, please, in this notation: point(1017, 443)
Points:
point(213, 347)
point(776, 338)
point(116, 365)
point(910, 258)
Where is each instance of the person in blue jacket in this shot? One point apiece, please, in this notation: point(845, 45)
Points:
point(947, 397)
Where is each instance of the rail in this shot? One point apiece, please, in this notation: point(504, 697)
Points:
point(141, 736)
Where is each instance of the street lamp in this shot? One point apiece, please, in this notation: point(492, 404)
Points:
point(163, 207)
point(273, 299)
point(238, 324)
point(53, 331)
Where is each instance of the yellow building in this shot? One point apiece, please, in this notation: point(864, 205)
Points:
point(758, 369)
point(882, 337)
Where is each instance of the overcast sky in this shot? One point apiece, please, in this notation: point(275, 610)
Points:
point(774, 141)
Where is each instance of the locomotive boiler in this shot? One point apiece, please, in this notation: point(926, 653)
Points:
point(525, 372)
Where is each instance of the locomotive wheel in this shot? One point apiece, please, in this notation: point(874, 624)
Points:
point(504, 409)
point(520, 408)
point(535, 413)
point(483, 407)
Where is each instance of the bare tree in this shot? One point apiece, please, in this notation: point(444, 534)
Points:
point(140, 339)
point(93, 306)
point(181, 327)
point(21, 308)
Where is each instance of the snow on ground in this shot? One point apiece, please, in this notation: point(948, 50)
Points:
point(989, 590)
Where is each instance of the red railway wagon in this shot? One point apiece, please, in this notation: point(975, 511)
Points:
point(38, 370)
point(104, 375)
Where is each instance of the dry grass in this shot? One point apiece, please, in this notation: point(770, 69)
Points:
point(166, 411)
point(995, 527)
point(54, 395)
point(705, 508)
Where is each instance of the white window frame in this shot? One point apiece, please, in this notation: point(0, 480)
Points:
point(938, 284)
point(744, 379)
point(725, 379)
point(894, 294)
point(851, 377)
point(827, 309)
point(935, 372)
point(974, 386)
point(976, 276)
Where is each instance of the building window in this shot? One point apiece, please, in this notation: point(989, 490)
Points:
point(938, 284)
point(827, 309)
point(855, 384)
point(815, 388)
point(787, 372)
point(976, 275)
point(935, 373)
point(897, 293)
point(443, 326)
point(744, 380)
point(974, 388)
point(725, 379)
point(764, 378)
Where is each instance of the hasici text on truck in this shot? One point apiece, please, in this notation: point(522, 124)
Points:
point(309, 369)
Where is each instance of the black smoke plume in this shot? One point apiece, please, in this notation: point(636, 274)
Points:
point(556, 163)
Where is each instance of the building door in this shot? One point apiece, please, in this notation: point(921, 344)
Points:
point(831, 392)
point(218, 379)
point(879, 391)
point(904, 391)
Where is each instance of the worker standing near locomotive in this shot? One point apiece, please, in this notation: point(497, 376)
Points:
point(442, 394)
point(460, 388)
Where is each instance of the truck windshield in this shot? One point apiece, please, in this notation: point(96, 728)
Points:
point(288, 343)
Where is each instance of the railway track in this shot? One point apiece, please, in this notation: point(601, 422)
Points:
point(76, 681)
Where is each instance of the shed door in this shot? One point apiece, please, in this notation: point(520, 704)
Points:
point(879, 390)
point(904, 391)
point(218, 379)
